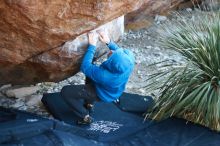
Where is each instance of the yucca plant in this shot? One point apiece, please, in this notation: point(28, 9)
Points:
point(190, 90)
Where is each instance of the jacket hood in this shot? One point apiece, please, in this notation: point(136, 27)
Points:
point(120, 61)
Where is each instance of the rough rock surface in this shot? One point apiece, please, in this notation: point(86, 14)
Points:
point(141, 18)
point(59, 63)
point(21, 92)
point(211, 4)
point(45, 40)
point(31, 28)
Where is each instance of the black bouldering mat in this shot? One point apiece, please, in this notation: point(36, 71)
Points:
point(114, 126)
point(28, 129)
point(24, 125)
point(110, 123)
point(135, 102)
point(53, 138)
point(111, 126)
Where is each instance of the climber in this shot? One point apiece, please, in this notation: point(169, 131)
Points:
point(107, 81)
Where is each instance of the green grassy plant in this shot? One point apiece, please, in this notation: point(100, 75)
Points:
point(192, 90)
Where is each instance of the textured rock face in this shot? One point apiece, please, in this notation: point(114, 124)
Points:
point(60, 62)
point(32, 27)
point(45, 40)
point(32, 35)
point(142, 17)
point(211, 4)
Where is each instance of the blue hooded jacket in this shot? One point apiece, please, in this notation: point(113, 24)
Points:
point(112, 75)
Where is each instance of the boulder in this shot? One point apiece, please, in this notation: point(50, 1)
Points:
point(58, 63)
point(35, 35)
point(21, 92)
point(211, 4)
point(5, 87)
point(45, 40)
point(34, 100)
point(142, 17)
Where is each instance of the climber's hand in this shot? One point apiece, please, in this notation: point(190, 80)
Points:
point(104, 37)
point(92, 38)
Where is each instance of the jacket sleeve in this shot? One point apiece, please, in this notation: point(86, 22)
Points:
point(113, 46)
point(97, 74)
